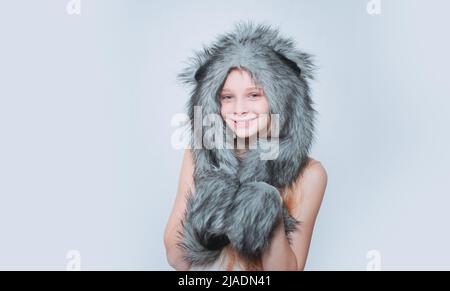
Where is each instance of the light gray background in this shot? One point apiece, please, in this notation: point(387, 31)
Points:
point(86, 101)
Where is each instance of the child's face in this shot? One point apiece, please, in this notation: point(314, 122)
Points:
point(244, 107)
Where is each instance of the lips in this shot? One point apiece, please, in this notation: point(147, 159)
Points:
point(243, 122)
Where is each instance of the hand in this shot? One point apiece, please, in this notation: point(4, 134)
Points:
point(254, 214)
point(205, 222)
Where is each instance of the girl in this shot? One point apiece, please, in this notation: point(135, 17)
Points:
point(238, 207)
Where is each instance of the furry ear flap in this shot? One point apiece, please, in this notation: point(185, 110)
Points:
point(196, 67)
point(291, 64)
point(300, 62)
point(304, 62)
point(201, 71)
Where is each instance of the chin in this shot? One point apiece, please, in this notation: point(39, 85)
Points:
point(245, 134)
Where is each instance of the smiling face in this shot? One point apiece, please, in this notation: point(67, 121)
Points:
point(244, 107)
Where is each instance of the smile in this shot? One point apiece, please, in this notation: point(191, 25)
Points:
point(243, 123)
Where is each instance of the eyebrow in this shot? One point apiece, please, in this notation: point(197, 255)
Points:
point(249, 88)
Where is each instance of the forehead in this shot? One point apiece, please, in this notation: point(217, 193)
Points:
point(239, 79)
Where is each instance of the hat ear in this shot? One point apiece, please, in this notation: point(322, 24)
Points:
point(291, 64)
point(196, 66)
point(201, 71)
point(303, 61)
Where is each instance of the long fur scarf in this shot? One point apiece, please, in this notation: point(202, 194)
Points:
point(236, 200)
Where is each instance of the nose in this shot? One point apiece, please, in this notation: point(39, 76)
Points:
point(240, 107)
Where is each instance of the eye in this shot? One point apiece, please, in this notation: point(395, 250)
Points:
point(254, 95)
point(226, 97)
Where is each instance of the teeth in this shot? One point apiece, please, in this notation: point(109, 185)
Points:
point(244, 120)
point(243, 123)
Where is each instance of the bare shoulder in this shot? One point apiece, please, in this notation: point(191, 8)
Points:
point(314, 174)
point(185, 186)
point(188, 157)
point(305, 199)
point(309, 188)
point(187, 170)
point(188, 161)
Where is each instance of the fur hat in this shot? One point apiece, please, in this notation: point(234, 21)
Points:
point(236, 200)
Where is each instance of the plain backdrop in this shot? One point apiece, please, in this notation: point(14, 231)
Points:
point(86, 102)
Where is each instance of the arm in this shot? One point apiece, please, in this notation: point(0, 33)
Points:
point(173, 227)
point(308, 192)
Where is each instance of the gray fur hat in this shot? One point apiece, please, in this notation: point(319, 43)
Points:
point(236, 201)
